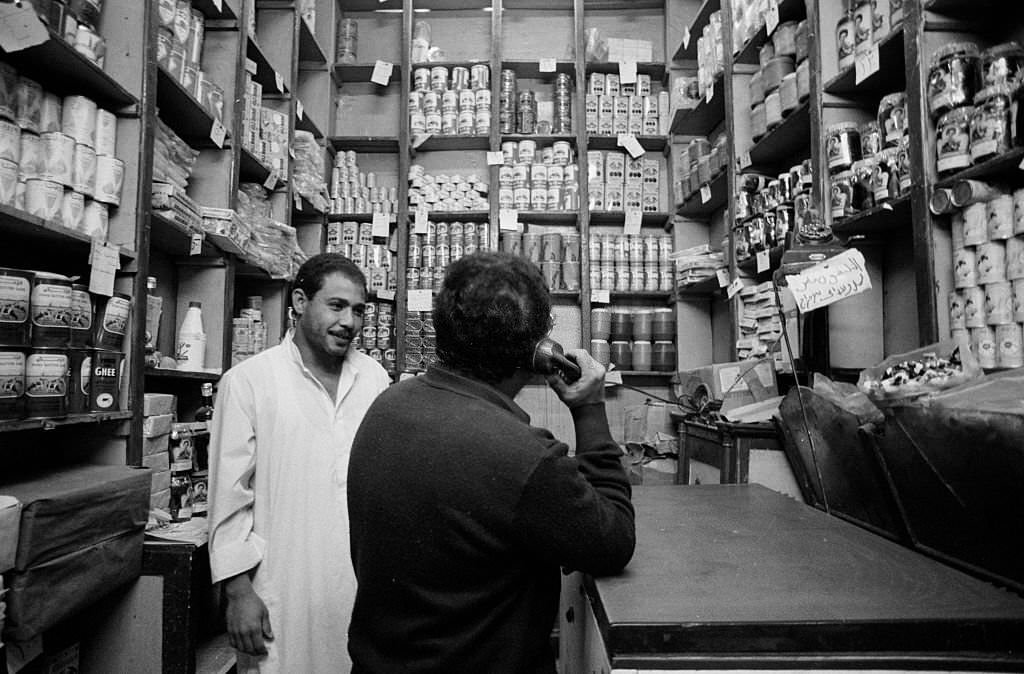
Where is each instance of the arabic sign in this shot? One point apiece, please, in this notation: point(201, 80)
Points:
point(834, 279)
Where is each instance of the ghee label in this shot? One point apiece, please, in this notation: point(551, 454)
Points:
point(12, 374)
point(81, 310)
point(51, 305)
point(46, 375)
point(14, 299)
point(115, 316)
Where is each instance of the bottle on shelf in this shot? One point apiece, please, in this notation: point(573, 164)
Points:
point(154, 308)
point(205, 411)
point(191, 350)
point(200, 460)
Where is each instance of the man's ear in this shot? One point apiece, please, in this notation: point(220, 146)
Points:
point(298, 301)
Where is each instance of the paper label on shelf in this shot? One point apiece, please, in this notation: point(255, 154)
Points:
point(250, 66)
point(634, 219)
point(105, 261)
point(600, 296)
point(420, 300)
point(271, 181)
point(218, 133)
point(420, 139)
point(419, 225)
point(763, 261)
point(734, 287)
point(279, 81)
point(627, 72)
point(508, 219)
point(299, 111)
point(723, 277)
point(20, 28)
point(495, 158)
point(1021, 165)
point(705, 193)
point(866, 64)
point(631, 144)
point(887, 206)
point(381, 227)
point(219, 5)
point(835, 279)
point(744, 160)
point(548, 65)
point(195, 243)
point(382, 73)
point(686, 37)
point(386, 295)
point(771, 19)
point(710, 92)
point(613, 377)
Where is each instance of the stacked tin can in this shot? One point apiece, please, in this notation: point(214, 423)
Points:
point(613, 108)
point(783, 79)
point(634, 339)
point(353, 191)
point(449, 104)
point(248, 330)
point(628, 263)
point(180, 39)
point(77, 23)
point(986, 309)
point(420, 341)
point(446, 192)
point(556, 254)
point(698, 164)
point(57, 155)
point(355, 241)
point(538, 180)
point(769, 208)
point(442, 243)
point(562, 121)
point(264, 131)
point(619, 183)
point(348, 39)
point(377, 338)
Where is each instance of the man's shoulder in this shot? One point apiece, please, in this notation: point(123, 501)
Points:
point(369, 366)
point(257, 365)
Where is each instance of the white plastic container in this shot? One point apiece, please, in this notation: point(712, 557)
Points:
point(191, 346)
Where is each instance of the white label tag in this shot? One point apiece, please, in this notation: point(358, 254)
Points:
point(634, 219)
point(217, 133)
point(386, 295)
point(836, 278)
point(279, 81)
point(887, 206)
point(20, 28)
point(420, 300)
point(744, 160)
point(1021, 165)
point(271, 181)
point(251, 67)
point(723, 277)
point(219, 5)
point(600, 296)
point(291, 152)
point(763, 261)
point(627, 72)
point(705, 193)
point(495, 158)
point(195, 244)
point(382, 73)
point(866, 64)
point(734, 287)
point(299, 111)
point(631, 144)
point(508, 219)
point(771, 19)
point(381, 226)
point(105, 261)
point(686, 37)
point(419, 226)
point(420, 139)
point(548, 65)
point(613, 377)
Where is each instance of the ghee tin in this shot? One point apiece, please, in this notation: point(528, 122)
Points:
point(1018, 300)
point(30, 159)
point(1009, 350)
point(991, 262)
point(983, 344)
point(58, 152)
point(46, 383)
point(109, 179)
point(72, 210)
point(998, 303)
point(50, 309)
point(8, 86)
point(81, 316)
point(974, 307)
point(10, 141)
point(106, 133)
point(15, 304)
point(112, 321)
point(80, 375)
point(955, 303)
point(12, 383)
point(83, 172)
point(105, 380)
point(78, 119)
point(8, 181)
point(49, 113)
point(29, 94)
point(43, 198)
point(95, 219)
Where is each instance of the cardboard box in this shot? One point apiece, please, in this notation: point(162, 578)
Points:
point(157, 445)
point(158, 403)
point(735, 384)
point(160, 499)
point(10, 524)
point(157, 425)
point(157, 462)
point(161, 480)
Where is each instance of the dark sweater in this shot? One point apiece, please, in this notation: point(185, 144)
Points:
point(461, 514)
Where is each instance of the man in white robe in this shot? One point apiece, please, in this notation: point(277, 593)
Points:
point(279, 451)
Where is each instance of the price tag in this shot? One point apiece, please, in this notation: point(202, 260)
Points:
point(627, 72)
point(250, 66)
point(217, 133)
point(495, 158)
point(279, 81)
point(634, 219)
point(419, 225)
point(710, 92)
point(548, 65)
point(20, 28)
point(382, 73)
point(219, 5)
point(723, 277)
point(771, 19)
point(763, 261)
point(420, 139)
point(835, 279)
point(271, 182)
point(420, 300)
point(508, 219)
point(866, 64)
point(744, 160)
point(631, 144)
point(686, 37)
point(195, 244)
point(600, 296)
point(734, 288)
point(299, 111)
point(613, 377)
point(386, 295)
point(705, 193)
point(1021, 165)
point(381, 227)
point(887, 206)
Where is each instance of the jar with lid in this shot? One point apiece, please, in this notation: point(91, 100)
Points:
point(783, 222)
point(769, 222)
point(903, 165)
point(845, 44)
point(784, 38)
point(863, 192)
point(990, 123)
point(801, 41)
point(741, 245)
point(870, 139)
point(885, 177)
point(892, 118)
point(788, 94)
point(952, 77)
point(953, 141)
point(756, 88)
point(842, 145)
point(863, 20)
point(1001, 64)
point(756, 234)
point(841, 195)
point(758, 121)
point(880, 15)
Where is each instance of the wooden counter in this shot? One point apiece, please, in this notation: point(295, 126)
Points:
point(734, 576)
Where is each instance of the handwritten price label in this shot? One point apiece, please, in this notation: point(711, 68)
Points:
point(380, 226)
point(763, 261)
point(835, 279)
point(600, 296)
point(634, 220)
point(218, 133)
point(705, 194)
point(548, 65)
point(420, 224)
point(382, 73)
point(734, 287)
point(771, 21)
point(723, 277)
point(508, 219)
point(420, 300)
point(495, 158)
point(627, 72)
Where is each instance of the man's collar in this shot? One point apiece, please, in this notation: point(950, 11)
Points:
point(450, 380)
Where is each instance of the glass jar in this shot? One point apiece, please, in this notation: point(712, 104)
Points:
point(870, 139)
point(990, 123)
point(952, 77)
point(885, 177)
point(880, 16)
point(803, 80)
point(1001, 64)
point(741, 244)
point(845, 44)
point(756, 234)
point(863, 192)
point(903, 165)
point(842, 145)
point(892, 118)
point(783, 223)
point(953, 141)
point(841, 195)
point(862, 26)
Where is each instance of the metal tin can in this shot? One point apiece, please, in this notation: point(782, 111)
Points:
point(12, 383)
point(105, 380)
point(16, 287)
point(46, 383)
point(112, 315)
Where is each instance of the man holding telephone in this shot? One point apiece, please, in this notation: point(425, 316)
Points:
point(461, 513)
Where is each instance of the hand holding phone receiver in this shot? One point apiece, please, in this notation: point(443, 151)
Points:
point(549, 358)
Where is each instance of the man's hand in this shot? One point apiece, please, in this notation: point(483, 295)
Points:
point(589, 388)
point(247, 617)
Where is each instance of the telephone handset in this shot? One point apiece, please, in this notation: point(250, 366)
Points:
point(549, 358)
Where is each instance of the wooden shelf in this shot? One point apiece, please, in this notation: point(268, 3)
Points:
point(542, 141)
point(649, 219)
point(309, 48)
point(1004, 165)
point(688, 52)
point(786, 144)
point(18, 224)
point(174, 238)
point(789, 10)
point(705, 289)
point(371, 144)
point(349, 217)
point(646, 373)
point(252, 170)
point(649, 143)
point(439, 143)
point(565, 294)
point(183, 113)
point(304, 207)
point(70, 420)
point(749, 265)
point(703, 119)
point(167, 373)
point(566, 218)
point(657, 71)
point(890, 76)
point(530, 70)
point(456, 216)
point(361, 72)
point(65, 72)
point(884, 219)
point(695, 207)
point(265, 73)
point(306, 123)
point(210, 11)
point(640, 295)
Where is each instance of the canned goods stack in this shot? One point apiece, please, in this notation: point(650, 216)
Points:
point(354, 240)
point(180, 38)
point(452, 104)
point(508, 97)
point(619, 183)
point(710, 54)
point(699, 163)
point(264, 131)
point(880, 168)
point(448, 193)
point(420, 341)
point(348, 38)
point(430, 253)
point(627, 263)
point(986, 309)
point(353, 191)
point(864, 23)
point(248, 331)
point(769, 208)
point(518, 110)
point(634, 339)
point(57, 155)
point(614, 108)
point(538, 180)
point(783, 79)
point(77, 23)
point(61, 347)
point(759, 323)
point(556, 254)
point(377, 338)
point(562, 121)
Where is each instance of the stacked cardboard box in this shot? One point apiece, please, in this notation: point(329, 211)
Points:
point(158, 416)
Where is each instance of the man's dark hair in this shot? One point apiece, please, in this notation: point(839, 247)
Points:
point(310, 277)
point(489, 314)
